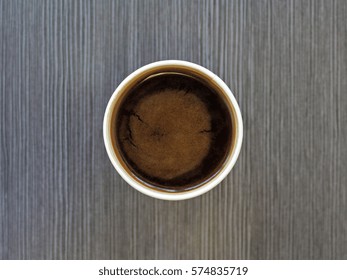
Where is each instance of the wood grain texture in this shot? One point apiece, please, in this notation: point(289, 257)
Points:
point(285, 61)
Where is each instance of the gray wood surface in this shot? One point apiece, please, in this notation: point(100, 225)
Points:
point(285, 61)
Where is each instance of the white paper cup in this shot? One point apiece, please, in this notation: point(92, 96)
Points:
point(184, 67)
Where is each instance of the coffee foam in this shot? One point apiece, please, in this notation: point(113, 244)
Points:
point(168, 133)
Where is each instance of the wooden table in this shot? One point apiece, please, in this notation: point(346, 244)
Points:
point(285, 61)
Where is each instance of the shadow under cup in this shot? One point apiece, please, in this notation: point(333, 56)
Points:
point(172, 128)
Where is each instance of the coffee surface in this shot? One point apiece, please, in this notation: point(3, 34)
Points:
point(173, 131)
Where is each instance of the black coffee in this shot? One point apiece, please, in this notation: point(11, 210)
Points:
point(174, 131)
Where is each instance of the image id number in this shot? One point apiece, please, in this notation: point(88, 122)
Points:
point(231, 270)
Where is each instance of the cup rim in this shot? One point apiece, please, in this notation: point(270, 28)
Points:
point(230, 162)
